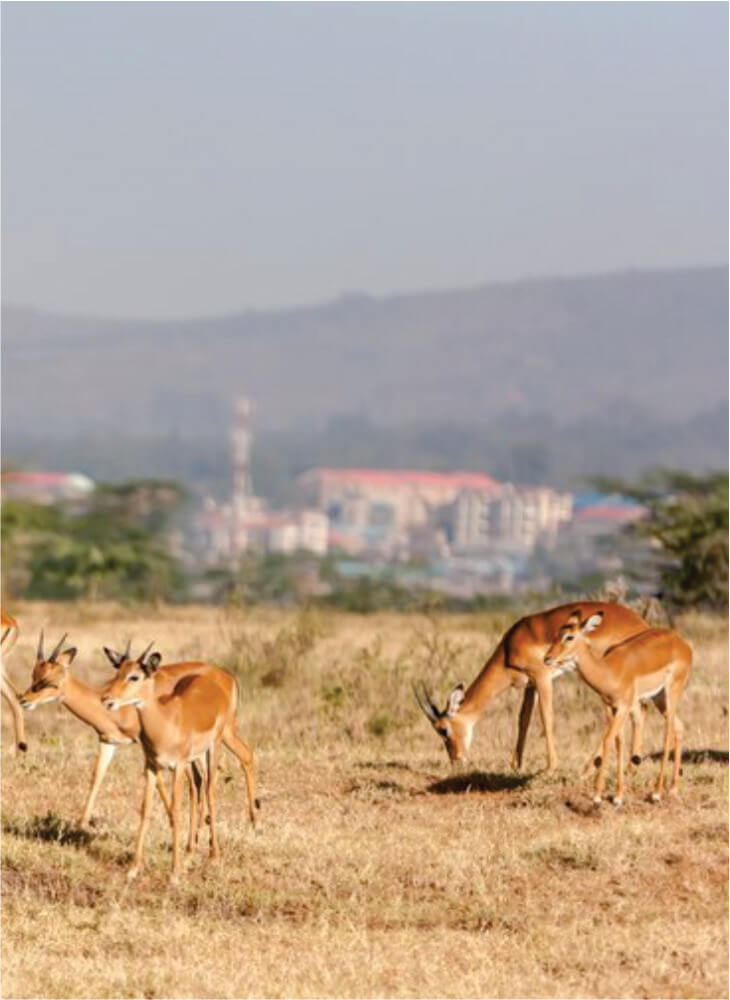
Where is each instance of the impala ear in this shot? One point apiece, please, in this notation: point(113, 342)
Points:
point(152, 662)
point(456, 699)
point(67, 656)
point(114, 658)
point(592, 623)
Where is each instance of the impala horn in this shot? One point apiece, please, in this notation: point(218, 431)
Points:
point(39, 655)
point(424, 700)
point(57, 650)
point(142, 656)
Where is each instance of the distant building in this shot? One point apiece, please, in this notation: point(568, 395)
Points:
point(392, 513)
point(393, 498)
point(409, 513)
point(46, 487)
point(514, 518)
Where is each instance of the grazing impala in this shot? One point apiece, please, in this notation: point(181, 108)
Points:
point(52, 682)
point(178, 727)
point(10, 635)
point(655, 664)
point(518, 661)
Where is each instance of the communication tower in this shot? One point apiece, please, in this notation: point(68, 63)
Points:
point(241, 447)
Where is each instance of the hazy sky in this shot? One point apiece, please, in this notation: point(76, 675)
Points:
point(166, 159)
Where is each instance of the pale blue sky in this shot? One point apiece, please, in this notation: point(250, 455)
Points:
point(165, 159)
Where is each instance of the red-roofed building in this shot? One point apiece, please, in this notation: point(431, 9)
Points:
point(46, 487)
point(391, 498)
point(612, 513)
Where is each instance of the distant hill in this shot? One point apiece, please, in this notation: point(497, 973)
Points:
point(637, 357)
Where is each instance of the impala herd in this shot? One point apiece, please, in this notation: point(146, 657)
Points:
point(182, 714)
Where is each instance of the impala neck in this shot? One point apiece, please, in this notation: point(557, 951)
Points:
point(84, 701)
point(492, 681)
point(591, 667)
point(155, 718)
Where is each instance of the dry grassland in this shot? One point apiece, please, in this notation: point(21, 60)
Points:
point(375, 871)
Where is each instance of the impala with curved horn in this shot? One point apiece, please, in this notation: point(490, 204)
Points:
point(178, 727)
point(518, 661)
point(10, 634)
point(52, 681)
point(654, 665)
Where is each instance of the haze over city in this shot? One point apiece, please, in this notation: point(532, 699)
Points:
point(178, 160)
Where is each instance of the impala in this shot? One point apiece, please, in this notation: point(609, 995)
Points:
point(11, 632)
point(655, 664)
point(519, 661)
point(176, 728)
point(52, 682)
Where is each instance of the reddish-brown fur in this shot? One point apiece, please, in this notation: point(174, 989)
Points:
point(518, 661)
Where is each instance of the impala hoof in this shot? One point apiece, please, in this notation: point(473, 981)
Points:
point(22, 746)
point(636, 760)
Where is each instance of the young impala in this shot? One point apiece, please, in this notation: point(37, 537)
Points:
point(655, 664)
point(10, 633)
point(52, 681)
point(518, 661)
point(177, 727)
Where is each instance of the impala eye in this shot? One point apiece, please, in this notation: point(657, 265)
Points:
point(568, 638)
point(133, 677)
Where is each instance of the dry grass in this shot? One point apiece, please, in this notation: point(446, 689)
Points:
point(375, 870)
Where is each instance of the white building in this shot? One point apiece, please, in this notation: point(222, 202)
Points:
point(516, 518)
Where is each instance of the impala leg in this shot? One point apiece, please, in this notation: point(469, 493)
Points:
point(104, 757)
point(528, 703)
point(195, 784)
point(210, 787)
point(160, 781)
point(619, 796)
point(669, 740)
point(638, 718)
point(619, 717)
point(597, 756)
point(178, 775)
point(544, 687)
point(11, 697)
point(245, 756)
point(150, 775)
point(678, 733)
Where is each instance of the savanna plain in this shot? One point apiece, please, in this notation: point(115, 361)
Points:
point(375, 869)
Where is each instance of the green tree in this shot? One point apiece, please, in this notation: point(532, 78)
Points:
point(687, 521)
point(115, 548)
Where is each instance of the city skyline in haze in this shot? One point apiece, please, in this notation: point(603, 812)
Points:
point(183, 160)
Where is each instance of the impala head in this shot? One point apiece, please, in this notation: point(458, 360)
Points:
point(570, 636)
point(131, 685)
point(455, 730)
point(49, 675)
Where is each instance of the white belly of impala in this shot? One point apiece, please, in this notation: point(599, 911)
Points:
point(646, 695)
